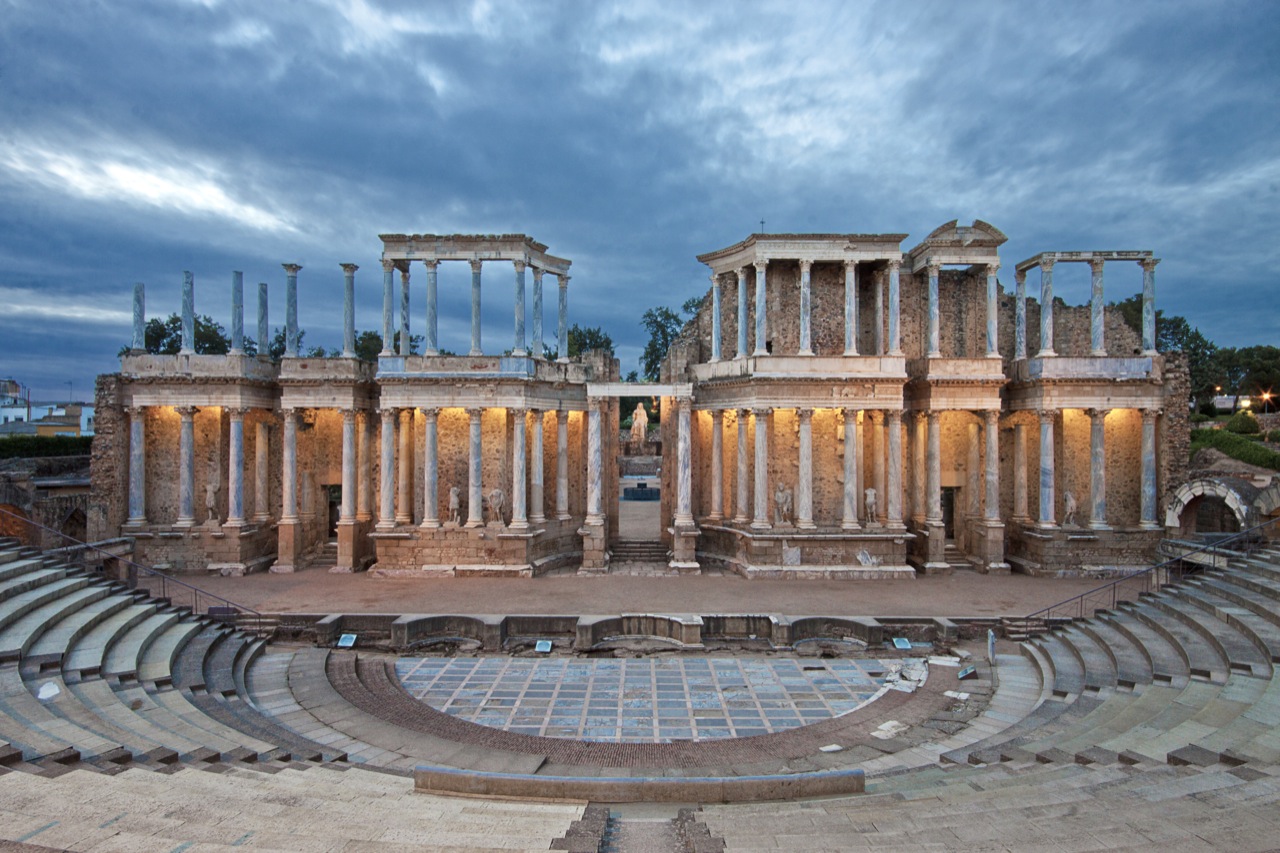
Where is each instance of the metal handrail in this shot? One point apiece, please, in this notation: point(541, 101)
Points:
point(168, 585)
point(1148, 579)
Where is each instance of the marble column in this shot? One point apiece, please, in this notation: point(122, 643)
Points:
point(595, 464)
point(404, 347)
point(992, 427)
point(806, 308)
point(717, 466)
point(1097, 468)
point(404, 470)
point(562, 465)
point(291, 310)
point(1149, 305)
point(1046, 309)
point(430, 468)
point(235, 469)
point(877, 463)
point(935, 317)
point(139, 318)
point(237, 313)
point(893, 502)
point(864, 422)
point(850, 307)
point(186, 467)
point(684, 464)
point(880, 319)
point(188, 314)
point(537, 313)
point(537, 482)
point(388, 307)
point(895, 308)
point(261, 472)
point(760, 521)
point(1097, 318)
point(762, 326)
point(517, 348)
point(933, 468)
point(919, 467)
point(742, 313)
point(1148, 499)
point(476, 349)
point(347, 508)
point(973, 472)
point(849, 506)
point(289, 464)
point(1020, 512)
point(432, 346)
point(1020, 315)
point(349, 310)
point(519, 471)
point(386, 472)
point(741, 498)
point(562, 322)
point(993, 311)
point(715, 317)
point(1048, 496)
point(475, 498)
point(804, 486)
point(364, 469)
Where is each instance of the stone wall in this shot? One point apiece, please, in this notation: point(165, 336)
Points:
point(109, 462)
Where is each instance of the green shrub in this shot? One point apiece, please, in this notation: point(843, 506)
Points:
point(1244, 423)
point(1235, 446)
point(1200, 417)
point(35, 446)
point(1274, 436)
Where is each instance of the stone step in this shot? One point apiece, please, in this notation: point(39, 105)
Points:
point(1168, 667)
point(1132, 663)
point(1203, 659)
point(155, 663)
point(54, 640)
point(24, 602)
point(122, 656)
point(26, 723)
point(85, 655)
point(1099, 667)
point(21, 633)
point(1235, 648)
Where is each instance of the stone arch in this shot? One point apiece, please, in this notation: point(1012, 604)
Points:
point(1268, 501)
point(1238, 495)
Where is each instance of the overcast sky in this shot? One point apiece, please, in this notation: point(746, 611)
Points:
point(141, 139)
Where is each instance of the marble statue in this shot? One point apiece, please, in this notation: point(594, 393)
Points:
point(496, 499)
point(1069, 517)
point(639, 426)
point(454, 503)
point(211, 493)
point(782, 503)
point(871, 503)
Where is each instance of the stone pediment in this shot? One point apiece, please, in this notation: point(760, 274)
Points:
point(956, 244)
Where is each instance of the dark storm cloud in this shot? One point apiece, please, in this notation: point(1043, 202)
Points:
point(140, 141)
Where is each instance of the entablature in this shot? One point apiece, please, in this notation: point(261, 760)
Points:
point(471, 247)
point(803, 368)
point(818, 248)
point(1089, 369)
point(507, 395)
point(139, 365)
point(1084, 257)
point(850, 394)
point(470, 368)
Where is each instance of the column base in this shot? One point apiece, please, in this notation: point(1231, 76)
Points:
point(518, 525)
point(430, 524)
point(1046, 525)
point(850, 525)
point(761, 525)
point(806, 525)
point(183, 523)
point(684, 548)
point(288, 534)
point(346, 562)
point(1151, 525)
point(595, 556)
point(1099, 525)
point(383, 526)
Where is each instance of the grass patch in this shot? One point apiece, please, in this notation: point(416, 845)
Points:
point(1236, 446)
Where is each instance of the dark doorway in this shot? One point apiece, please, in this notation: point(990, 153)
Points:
point(334, 495)
point(949, 510)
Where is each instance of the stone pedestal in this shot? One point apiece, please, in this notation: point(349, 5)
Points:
point(595, 556)
point(288, 547)
point(987, 548)
point(684, 548)
point(347, 543)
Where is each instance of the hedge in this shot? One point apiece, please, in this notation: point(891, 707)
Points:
point(1235, 446)
point(35, 446)
point(1244, 422)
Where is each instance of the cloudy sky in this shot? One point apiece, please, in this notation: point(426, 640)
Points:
point(140, 139)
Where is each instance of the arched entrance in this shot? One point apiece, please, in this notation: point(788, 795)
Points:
point(1212, 505)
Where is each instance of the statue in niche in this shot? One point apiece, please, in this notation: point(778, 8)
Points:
point(455, 502)
point(1069, 504)
point(782, 502)
point(871, 504)
point(496, 499)
point(639, 426)
point(211, 493)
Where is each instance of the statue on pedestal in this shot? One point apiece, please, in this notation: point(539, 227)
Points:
point(639, 428)
point(496, 499)
point(871, 502)
point(454, 503)
point(211, 494)
point(1069, 504)
point(782, 502)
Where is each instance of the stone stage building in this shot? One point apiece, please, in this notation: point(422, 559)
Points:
point(837, 408)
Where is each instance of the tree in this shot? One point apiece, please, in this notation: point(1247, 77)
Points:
point(369, 344)
point(1175, 334)
point(582, 339)
point(164, 337)
point(663, 325)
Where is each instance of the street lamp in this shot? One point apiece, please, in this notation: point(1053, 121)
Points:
point(1266, 402)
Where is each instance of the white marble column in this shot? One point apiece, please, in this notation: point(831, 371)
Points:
point(762, 327)
point(264, 328)
point(562, 465)
point(475, 498)
point(404, 315)
point(1046, 309)
point(1097, 468)
point(877, 464)
point(189, 313)
point(860, 463)
point(850, 307)
point(349, 310)
point(935, 317)
point(476, 349)
point(849, 506)
point(973, 472)
point(291, 309)
point(715, 317)
point(804, 486)
point(1048, 495)
point(186, 467)
point(993, 311)
point(1020, 512)
point(741, 498)
point(537, 483)
point(404, 470)
point(139, 343)
point(347, 507)
point(562, 323)
point(742, 313)
point(760, 521)
point(1149, 305)
point(517, 348)
point(235, 469)
point(1097, 317)
point(388, 307)
point(289, 464)
point(895, 308)
point(261, 472)
point(717, 466)
point(364, 468)
point(519, 471)
point(933, 468)
point(684, 464)
point(595, 464)
point(432, 346)
point(386, 471)
point(1020, 315)
point(878, 279)
point(806, 308)
point(1148, 498)
point(893, 502)
point(918, 465)
point(430, 468)
point(537, 313)
point(237, 313)
point(992, 427)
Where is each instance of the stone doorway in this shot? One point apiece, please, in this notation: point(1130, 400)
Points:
point(949, 511)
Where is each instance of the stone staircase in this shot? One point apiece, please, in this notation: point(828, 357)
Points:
point(640, 551)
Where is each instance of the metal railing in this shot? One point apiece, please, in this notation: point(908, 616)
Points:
point(95, 557)
point(1190, 557)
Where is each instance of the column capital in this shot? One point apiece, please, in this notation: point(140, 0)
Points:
point(388, 265)
point(849, 264)
point(520, 265)
point(992, 269)
point(186, 412)
point(1096, 264)
point(564, 279)
point(388, 412)
point(894, 264)
point(1151, 414)
point(404, 274)
point(893, 415)
point(717, 414)
point(761, 411)
point(537, 274)
point(292, 269)
point(1148, 264)
point(518, 412)
point(804, 412)
point(715, 280)
point(743, 413)
point(760, 265)
point(1046, 264)
point(1020, 276)
point(430, 412)
point(348, 412)
point(805, 265)
point(1096, 412)
point(877, 415)
point(349, 269)
point(685, 404)
point(742, 273)
point(236, 411)
point(933, 265)
point(474, 411)
point(1046, 416)
point(933, 416)
point(431, 263)
point(991, 416)
point(476, 264)
point(850, 412)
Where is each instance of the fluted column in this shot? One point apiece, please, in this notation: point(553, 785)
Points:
point(715, 317)
point(895, 308)
point(933, 468)
point(404, 470)
point(804, 488)
point(1048, 496)
point(684, 464)
point(364, 469)
point(741, 352)
point(893, 502)
point(993, 311)
point(475, 498)
point(761, 508)
point(1046, 309)
point(349, 310)
point(536, 479)
point(1097, 468)
point(386, 472)
point(935, 326)
point(139, 343)
point(432, 346)
point(1020, 502)
point(992, 427)
point(762, 326)
point(717, 466)
point(878, 338)
point(289, 464)
point(476, 349)
point(1097, 323)
point(562, 465)
point(291, 309)
point(388, 307)
point(186, 467)
point(849, 508)
point(877, 463)
point(1148, 501)
point(237, 313)
point(1149, 305)
point(519, 472)
point(741, 497)
point(430, 468)
point(189, 313)
point(1020, 315)
point(517, 348)
point(537, 313)
point(562, 323)
point(806, 308)
point(595, 464)
point(261, 472)
point(850, 308)
point(347, 507)
point(404, 348)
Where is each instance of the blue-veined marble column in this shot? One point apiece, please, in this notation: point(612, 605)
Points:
point(684, 464)
point(849, 506)
point(1097, 323)
point(972, 472)
point(388, 307)
point(1020, 473)
point(264, 327)
point(537, 482)
point(742, 313)
point(1020, 315)
point(993, 311)
point(878, 456)
point(139, 318)
point(237, 313)
point(289, 462)
point(186, 467)
point(261, 471)
point(762, 328)
point(918, 442)
point(806, 308)
point(1149, 305)
point(347, 506)
point(137, 465)
point(804, 485)
point(893, 503)
point(740, 503)
point(850, 307)
point(878, 337)
point(291, 310)
point(933, 468)
point(1048, 497)
point(562, 322)
point(1149, 467)
point(404, 469)
point(537, 313)
point(386, 472)
point(517, 348)
point(404, 311)
point(475, 309)
point(760, 521)
point(935, 319)
point(235, 469)
point(717, 465)
point(562, 465)
point(992, 427)
point(349, 310)
point(595, 509)
point(1046, 308)
point(475, 499)
point(430, 468)
point(895, 308)
point(1097, 468)
point(433, 308)
point(519, 472)
point(715, 317)
point(188, 313)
